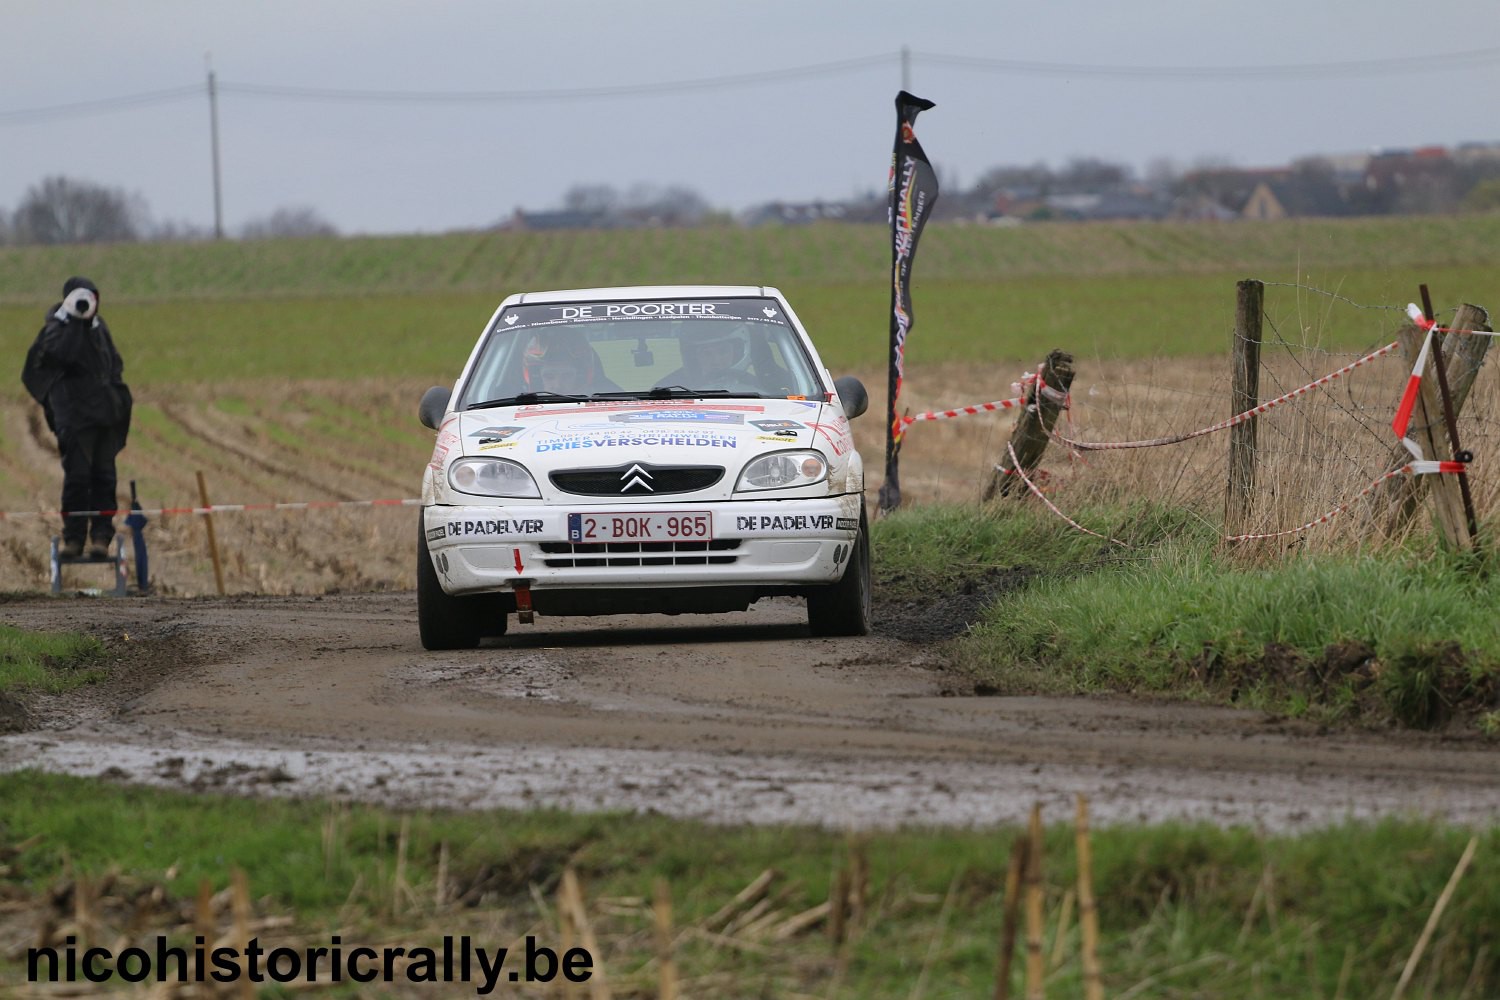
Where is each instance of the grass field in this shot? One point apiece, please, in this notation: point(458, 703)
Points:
point(290, 371)
point(380, 307)
point(1183, 911)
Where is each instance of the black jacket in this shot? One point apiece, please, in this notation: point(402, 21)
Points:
point(75, 372)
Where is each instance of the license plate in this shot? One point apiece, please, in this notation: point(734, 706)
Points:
point(609, 526)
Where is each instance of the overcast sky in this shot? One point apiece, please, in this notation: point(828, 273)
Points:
point(744, 102)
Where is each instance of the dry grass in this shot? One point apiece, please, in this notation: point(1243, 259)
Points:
point(278, 441)
point(1314, 453)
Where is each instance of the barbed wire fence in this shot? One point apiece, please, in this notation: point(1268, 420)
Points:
point(1329, 469)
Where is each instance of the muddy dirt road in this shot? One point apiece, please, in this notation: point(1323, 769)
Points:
point(730, 717)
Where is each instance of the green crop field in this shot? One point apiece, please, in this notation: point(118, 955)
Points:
point(379, 307)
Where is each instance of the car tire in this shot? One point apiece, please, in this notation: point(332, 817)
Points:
point(844, 608)
point(446, 622)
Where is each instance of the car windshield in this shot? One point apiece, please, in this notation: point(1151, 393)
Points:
point(641, 349)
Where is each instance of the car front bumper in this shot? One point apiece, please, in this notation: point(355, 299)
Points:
point(766, 543)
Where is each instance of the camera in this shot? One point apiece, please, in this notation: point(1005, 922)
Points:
point(81, 303)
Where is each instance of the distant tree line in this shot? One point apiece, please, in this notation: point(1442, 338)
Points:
point(63, 210)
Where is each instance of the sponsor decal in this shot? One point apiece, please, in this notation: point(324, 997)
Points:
point(848, 524)
point(498, 444)
point(685, 416)
point(837, 434)
point(495, 527)
point(646, 439)
point(612, 310)
point(435, 534)
point(490, 435)
point(777, 426)
point(784, 522)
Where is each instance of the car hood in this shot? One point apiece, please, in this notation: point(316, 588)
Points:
point(571, 435)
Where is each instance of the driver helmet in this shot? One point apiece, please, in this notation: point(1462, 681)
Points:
point(561, 361)
point(713, 350)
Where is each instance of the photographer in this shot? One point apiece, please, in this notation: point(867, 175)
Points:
point(74, 371)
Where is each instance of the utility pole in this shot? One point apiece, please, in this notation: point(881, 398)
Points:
point(213, 123)
point(906, 69)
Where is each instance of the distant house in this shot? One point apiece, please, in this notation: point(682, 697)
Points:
point(1263, 204)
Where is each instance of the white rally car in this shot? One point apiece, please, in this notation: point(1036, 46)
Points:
point(676, 449)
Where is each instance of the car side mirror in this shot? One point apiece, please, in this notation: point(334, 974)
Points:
point(852, 394)
point(434, 404)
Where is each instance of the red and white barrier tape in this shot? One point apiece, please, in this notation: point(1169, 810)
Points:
point(1233, 421)
point(1419, 468)
point(999, 404)
point(217, 508)
point(1041, 496)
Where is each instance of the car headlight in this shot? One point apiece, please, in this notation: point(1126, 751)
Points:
point(492, 477)
point(783, 470)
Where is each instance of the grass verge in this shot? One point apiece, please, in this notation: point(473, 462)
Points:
point(46, 662)
point(1183, 910)
point(1379, 637)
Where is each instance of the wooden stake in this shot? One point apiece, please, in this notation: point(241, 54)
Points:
point(1088, 909)
point(241, 887)
point(213, 543)
point(1044, 402)
point(1464, 355)
point(1011, 918)
point(1434, 917)
point(665, 961)
point(1035, 970)
point(573, 894)
point(1244, 395)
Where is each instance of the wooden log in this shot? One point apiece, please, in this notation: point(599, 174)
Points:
point(1045, 400)
point(1464, 355)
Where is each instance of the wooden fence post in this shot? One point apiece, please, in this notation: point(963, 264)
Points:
point(1465, 355)
point(213, 543)
point(1045, 399)
point(1244, 395)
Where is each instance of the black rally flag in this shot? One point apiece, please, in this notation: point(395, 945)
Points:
point(913, 190)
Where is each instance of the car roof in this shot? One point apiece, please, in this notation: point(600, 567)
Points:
point(642, 292)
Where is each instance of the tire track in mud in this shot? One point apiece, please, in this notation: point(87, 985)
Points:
point(197, 424)
point(738, 717)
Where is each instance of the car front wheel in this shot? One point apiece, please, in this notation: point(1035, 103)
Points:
point(446, 622)
point(844, 608)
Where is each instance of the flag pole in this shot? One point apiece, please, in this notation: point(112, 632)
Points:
point(913, 190)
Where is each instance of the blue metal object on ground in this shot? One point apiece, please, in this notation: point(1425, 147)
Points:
point(136, 521)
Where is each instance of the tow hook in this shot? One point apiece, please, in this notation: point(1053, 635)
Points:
point(524, 614)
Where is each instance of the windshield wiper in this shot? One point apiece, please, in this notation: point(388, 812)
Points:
point(528, 397)
point(674, 392)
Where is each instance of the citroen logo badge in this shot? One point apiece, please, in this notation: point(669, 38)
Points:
point(636, 476)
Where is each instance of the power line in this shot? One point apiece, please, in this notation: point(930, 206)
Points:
point(1467, 59)
point(568, 94)
point(102, 106)
point(1294, 71)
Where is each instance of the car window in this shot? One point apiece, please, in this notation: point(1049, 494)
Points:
point(737, 345)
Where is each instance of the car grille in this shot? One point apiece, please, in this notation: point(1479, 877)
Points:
point(638, 479)
point(562, 555)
